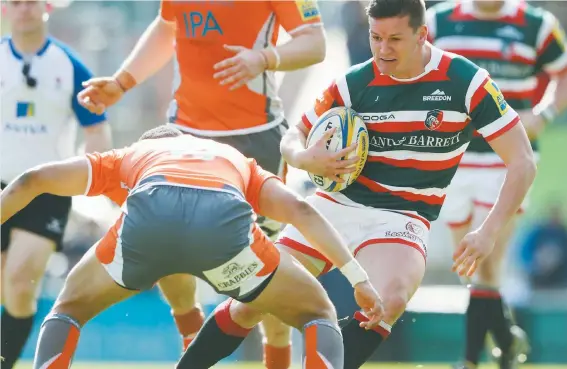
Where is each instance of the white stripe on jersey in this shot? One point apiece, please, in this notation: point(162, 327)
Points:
point(549, 21)
point(432, 191)
point(516, 85)
point(475, 84)
point(498, 124)
point(485, 158)
point(342, 86)
point(420, 156)
point(484, 44)
point(401, 116)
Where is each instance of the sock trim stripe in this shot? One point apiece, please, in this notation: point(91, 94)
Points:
point(63, 317)
point(487, 294)
point(384, 329)
point(225, 322)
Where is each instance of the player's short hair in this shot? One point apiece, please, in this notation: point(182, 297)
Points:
point(162, 131)
point(415, 9)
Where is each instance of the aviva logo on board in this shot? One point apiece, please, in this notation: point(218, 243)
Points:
point(25, 109)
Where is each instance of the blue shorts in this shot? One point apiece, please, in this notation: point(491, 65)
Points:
point(167, 229)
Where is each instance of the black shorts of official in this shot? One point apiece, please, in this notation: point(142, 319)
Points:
point(45, 216)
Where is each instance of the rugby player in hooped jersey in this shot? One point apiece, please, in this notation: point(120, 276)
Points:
point(421, 106)
point(516, 43)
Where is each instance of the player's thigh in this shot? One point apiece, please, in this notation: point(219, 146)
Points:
point(396, 271)
point(89, 289)
point(26, 260)
point(180, 292)
point(305, 299)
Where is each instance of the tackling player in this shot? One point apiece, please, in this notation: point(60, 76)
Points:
point(224, 89)
point(421, 106)
point(515, 42)
point(191, 208)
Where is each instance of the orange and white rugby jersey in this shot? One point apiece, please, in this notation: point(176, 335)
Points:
point(184, 161)
point(200, 104)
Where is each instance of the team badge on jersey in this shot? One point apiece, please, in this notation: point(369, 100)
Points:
point(497, 96)
point(434, 119)
point(307, 9)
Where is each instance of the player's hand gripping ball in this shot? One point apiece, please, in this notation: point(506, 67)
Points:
point(349, 129)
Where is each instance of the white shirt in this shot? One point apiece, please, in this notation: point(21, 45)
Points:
point(39, 124)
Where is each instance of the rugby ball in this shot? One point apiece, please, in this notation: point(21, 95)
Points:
point(350, 128)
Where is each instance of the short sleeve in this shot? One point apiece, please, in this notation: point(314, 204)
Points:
point(335, 95)
point(551, 48)
point(166, 10)
point(258, 177)
point(490, 114)
point(104, 174)
point(296, 15)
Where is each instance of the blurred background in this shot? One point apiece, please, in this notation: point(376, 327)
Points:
point(142, 330)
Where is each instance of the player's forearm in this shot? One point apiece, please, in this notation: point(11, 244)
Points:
point(519, 177)
point(305, 49)
point(292, 144)
point(550, 108)
point(18, 194)
point(153, 50)
point(98, 138)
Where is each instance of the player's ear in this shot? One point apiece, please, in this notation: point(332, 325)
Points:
point(422, 35)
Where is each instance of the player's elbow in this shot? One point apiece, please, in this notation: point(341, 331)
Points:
point(30, 180)
point(299, 211)
point(526, 165)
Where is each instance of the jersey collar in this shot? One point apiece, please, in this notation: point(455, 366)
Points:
point(39, 52)
point(433, 63)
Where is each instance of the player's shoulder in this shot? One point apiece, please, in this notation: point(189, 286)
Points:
point(463, 70)
point(360, 74)
point(65, 51)
point(535, 13)
point(443, 8)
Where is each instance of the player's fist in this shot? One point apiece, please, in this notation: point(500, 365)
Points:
point(370, 302)
point(318, 160)
point(100, 93)
point(472, 250)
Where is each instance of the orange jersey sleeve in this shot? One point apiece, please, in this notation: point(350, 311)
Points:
point(258, 177)
point(293, 15)
point(330, 98)
point(166, 10)
point(104, 175)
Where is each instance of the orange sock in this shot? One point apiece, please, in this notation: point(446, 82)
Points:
point(277, 357)
point(189, 324)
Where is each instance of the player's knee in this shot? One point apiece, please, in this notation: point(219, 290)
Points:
point(243, 315)
point(319, 307)
point(20, 297)
point(394, 306)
